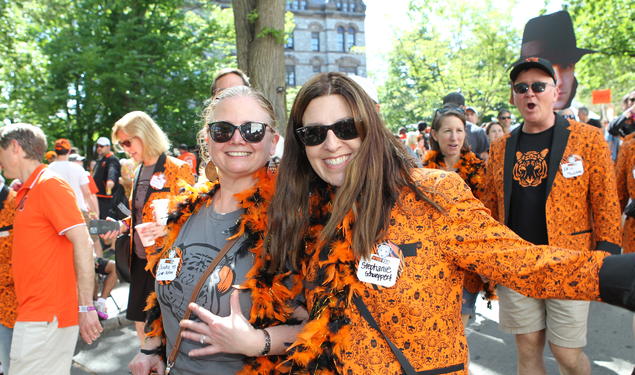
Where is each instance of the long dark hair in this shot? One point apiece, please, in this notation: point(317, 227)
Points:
point(374, 177)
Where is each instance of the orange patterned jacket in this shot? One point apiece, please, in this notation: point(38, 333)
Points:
point(8, 301)
point(625, 171)
point(421, 312)
point(175, 173)
point(582, 212)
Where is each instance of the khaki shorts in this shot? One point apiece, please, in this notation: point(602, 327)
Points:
point(565, 321)
point(42, 348)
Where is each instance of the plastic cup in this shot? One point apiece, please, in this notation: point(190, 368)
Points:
point(160, 207)
point(145, 240)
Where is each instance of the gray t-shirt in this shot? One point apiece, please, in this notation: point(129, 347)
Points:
point(200, 239)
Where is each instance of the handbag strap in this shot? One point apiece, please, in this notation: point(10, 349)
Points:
point(403, 361)
point(195, 292)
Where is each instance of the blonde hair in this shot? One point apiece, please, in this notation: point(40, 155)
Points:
point(139, 124)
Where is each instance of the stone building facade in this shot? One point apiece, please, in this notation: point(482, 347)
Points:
point(328, 36)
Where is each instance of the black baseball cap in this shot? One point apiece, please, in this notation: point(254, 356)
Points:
point(455, 98)
point(531, 62)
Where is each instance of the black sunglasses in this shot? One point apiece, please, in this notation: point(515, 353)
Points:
point(316, 134)
point(126, 143)
point(536, 87)
point(223, 131)
point(505, 117)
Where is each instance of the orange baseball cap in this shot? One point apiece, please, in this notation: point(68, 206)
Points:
point(62, 144)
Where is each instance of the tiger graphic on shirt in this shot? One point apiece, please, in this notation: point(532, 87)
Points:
point(530, 168)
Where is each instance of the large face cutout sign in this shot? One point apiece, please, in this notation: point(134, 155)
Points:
point(552, 37)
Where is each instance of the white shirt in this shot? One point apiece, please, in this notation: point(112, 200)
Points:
point(75, 175)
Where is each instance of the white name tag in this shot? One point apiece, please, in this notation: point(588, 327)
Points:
point(167, 269)
point(381, 268)
point(633, 172)
point(4, 234)
point(573, 167)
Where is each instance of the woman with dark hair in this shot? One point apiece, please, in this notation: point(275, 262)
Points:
point(494, 131)
point(450, 152)
point(382, 247)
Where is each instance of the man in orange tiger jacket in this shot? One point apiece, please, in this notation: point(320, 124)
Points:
point(552, 182)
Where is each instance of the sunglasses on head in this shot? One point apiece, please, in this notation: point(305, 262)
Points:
point(223, 131)
point(314, 135)
point(536, 87)
point(450, 108)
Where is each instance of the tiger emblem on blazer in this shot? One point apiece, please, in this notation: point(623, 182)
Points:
point(530, 168)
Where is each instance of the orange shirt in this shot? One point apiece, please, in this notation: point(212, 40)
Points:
point(8, 303)
point(190, 159)
point(43, 268)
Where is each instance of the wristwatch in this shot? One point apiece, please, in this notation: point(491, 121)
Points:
point(150, 351)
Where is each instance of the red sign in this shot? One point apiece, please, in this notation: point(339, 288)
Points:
point(601, 96)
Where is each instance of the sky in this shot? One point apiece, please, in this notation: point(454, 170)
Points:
point(386, 19)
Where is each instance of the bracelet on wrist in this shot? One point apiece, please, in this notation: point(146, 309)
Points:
point(154, 351)
point(267, 347)
point(87, 308)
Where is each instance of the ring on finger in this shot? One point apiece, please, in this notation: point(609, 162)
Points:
point(202, 339)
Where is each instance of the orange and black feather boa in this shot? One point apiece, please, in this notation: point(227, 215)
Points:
point(333, 284)
point(272, 294)
point(470, 167)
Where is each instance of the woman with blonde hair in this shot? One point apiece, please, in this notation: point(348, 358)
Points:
point(215, 235)
point(158, 177)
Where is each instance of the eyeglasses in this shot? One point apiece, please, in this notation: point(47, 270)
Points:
point(536, 87)
point(569, 117)
point(126, 143)
point(223, 131)
point(99, 146)
point(505, 117)
point(316, 134)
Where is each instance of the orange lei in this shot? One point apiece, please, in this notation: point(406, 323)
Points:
point(271, 298)
point(470, 167)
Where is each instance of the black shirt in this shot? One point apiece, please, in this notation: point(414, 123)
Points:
point(527, 215)
point(106, 168)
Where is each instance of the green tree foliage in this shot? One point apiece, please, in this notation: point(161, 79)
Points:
point(607, 26)
point(468, 51)
point(78, 66)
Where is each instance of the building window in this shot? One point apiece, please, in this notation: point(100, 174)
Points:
point(348, 69)
point(315, 41)
point(341, 38)
point(338, 5)
point(290, 75)
point(303, 4)
point(317, 69)
point(350, 39)
point(289, 42)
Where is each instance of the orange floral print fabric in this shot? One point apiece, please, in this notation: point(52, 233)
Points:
point(625, 171)
point(420, 313)
point(8, 302)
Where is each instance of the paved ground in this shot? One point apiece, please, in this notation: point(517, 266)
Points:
point(611, 345)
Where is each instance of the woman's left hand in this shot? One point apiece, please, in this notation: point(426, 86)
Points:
point(230, 334)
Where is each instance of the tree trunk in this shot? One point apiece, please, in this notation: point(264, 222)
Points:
point(259, 48)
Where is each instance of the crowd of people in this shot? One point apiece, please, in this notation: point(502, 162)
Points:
point(343, 256)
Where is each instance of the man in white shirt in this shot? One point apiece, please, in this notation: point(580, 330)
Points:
point(77, 177)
